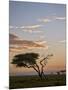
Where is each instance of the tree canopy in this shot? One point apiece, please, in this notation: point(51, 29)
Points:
point(22, 60)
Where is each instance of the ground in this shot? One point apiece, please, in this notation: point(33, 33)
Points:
point(34, 81)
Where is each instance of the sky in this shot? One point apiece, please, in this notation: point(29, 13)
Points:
point(37, 27)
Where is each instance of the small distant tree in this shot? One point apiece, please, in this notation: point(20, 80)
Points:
point(31, 60)
point(63, 72)
point(58, 73)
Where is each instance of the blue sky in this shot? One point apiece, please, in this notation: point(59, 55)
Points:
point(28, 14)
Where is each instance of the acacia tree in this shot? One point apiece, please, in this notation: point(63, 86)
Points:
point(31, 60)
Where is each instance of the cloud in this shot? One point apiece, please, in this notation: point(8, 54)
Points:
point(30, 27)
point(50, 19)
point(11, 27)
point(62, 41)
point(17, 27)
point(44, 43)
point(36, 26)
point(45, 20)
point(17, 44)
point(26, 30)
point(40, 42)
point(60, 18)
point(16, 48)
point(31, 31)
point(12, 37)
point(41, 37)
point(26, 27)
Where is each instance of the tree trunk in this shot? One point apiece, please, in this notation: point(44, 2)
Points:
point(40, 75)
point(44, 75)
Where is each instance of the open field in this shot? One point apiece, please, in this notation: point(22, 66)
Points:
point(34, 81)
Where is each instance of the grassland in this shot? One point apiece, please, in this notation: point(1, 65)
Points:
point(34, 81)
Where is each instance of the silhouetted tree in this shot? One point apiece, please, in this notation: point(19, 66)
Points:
point(58, 73)
point(63, 72)
point(31, 60)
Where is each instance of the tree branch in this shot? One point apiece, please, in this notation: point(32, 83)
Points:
point(41, 67)
point(38, 67)
point(32, 67)
point(47, 57)
point(35, 69)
